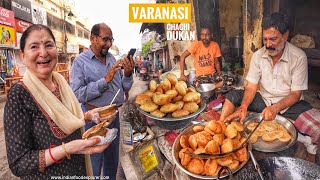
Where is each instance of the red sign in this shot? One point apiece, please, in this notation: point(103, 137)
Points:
point(6, 17)
point(21, 25)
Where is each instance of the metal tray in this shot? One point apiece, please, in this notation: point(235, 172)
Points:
point(177, 147)
point(276, 145)
point(171, 123)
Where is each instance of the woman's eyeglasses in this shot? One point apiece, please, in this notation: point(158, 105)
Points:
point(106, 39)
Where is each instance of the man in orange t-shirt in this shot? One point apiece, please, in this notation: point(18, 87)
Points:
point(140, 62)
point(206, 53)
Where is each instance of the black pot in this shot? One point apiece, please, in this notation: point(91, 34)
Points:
point(282, 168)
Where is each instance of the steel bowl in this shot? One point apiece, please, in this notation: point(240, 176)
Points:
point(206, 90)
point(171, 123)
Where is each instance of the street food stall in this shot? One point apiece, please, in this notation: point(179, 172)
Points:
point(186, 141)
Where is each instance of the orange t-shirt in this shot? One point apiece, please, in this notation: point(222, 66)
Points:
point(139, 62)
point(204, 57)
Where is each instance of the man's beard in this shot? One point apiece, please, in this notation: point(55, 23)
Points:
point(275, 51)
point(104, 51)
point(206, 42)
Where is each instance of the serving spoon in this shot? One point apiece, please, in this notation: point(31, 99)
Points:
point(167, 74)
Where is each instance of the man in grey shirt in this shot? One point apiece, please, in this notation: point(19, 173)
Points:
point(95, 78)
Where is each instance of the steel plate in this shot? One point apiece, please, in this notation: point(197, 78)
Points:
point(177, 147)
point(171, 123)
point(276, 145)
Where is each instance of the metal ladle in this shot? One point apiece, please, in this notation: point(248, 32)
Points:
point(167, 74)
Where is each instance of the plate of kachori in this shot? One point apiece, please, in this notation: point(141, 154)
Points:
point(170, 103)
point(210, 138)
point(271, 136)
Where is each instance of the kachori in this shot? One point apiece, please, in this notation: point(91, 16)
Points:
point(269, 131)
point(212, 139)
point(180, 113)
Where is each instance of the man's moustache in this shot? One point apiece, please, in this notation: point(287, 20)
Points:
point(270, 48)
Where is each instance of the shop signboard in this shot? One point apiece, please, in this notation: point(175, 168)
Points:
point(6, 17)
point(18, 39)
point(39, 15)
point(72, 49)
point(21, 25)
point(7, 36)
point(22, 9)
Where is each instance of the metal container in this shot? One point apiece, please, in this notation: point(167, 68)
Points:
point(239, 75)
point(236, 46)
point(171, 123)
point(276, 145)
point(192, 76)
point(281, 168)
point(206, 90)
point(177, 147)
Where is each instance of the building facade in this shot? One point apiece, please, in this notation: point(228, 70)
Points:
point(70, 30)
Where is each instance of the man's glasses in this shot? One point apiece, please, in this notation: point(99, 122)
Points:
point(106, 39)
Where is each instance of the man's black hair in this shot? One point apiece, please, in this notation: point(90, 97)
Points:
point(206, 27)
point(95, 29)
point(276, 20)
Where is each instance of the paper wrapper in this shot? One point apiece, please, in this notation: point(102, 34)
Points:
point(112, 116)
point(109, 137)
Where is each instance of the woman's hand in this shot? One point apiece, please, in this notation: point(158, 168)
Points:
point(85, 146)
point(90, 114)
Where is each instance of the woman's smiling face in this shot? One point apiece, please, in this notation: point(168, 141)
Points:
point(40, 53)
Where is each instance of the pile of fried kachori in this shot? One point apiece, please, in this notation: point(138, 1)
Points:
point(170, 97)
point(215, 137)
point(269, 131)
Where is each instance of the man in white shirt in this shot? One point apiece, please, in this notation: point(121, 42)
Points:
point(277, 76)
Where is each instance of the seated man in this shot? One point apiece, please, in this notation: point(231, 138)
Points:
point(279, 71)
point(206, 53)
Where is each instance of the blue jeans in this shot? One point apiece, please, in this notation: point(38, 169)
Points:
point(109, 158)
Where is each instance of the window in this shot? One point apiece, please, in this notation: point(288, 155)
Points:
point(86, 35)
point(54, 22)
point(70, 28)
point(5, 4)
point(80, 32)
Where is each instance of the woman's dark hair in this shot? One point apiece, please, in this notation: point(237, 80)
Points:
point(33, 27)
point(278, 21)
